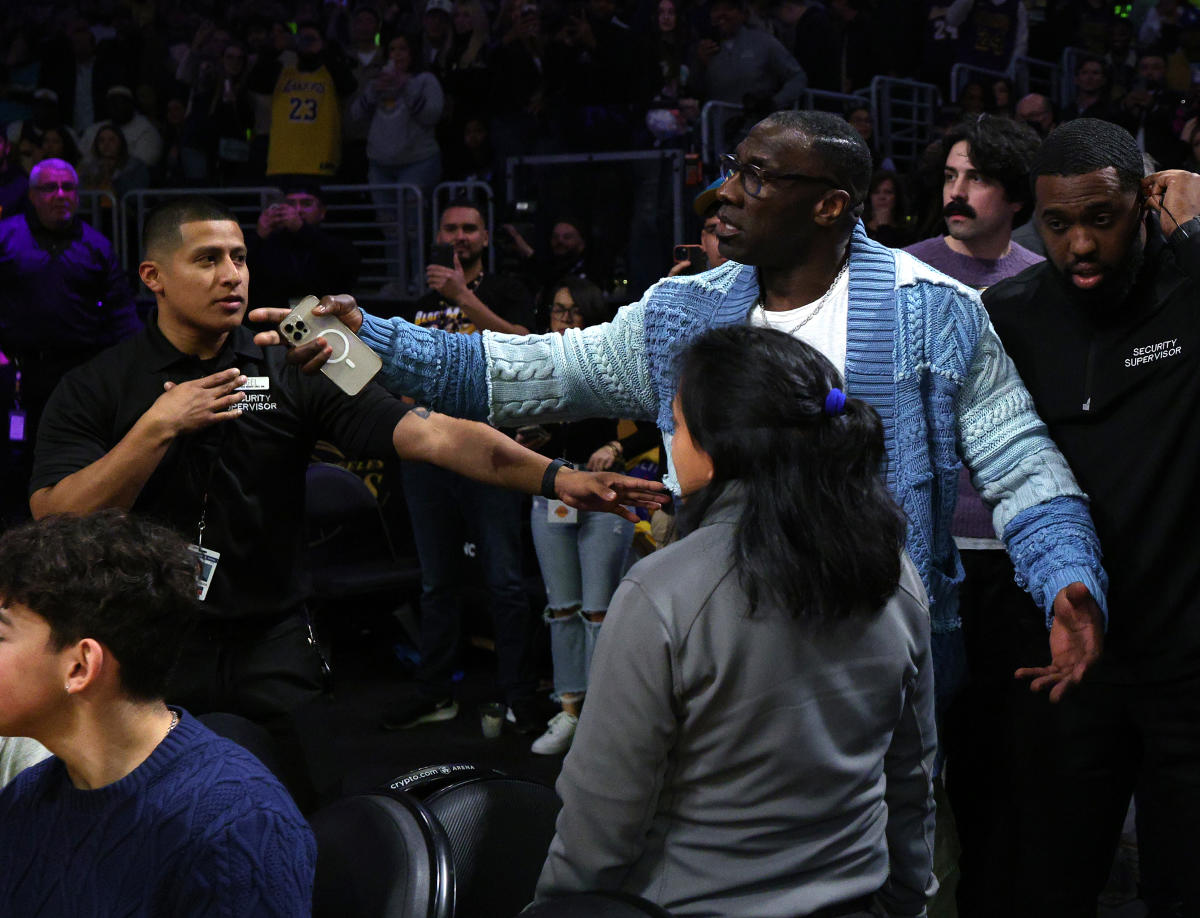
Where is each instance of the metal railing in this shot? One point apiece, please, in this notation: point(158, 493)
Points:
point(713, 118)
point(393, 250)
point(904, 113)
point(447, 193)
point(102, 213)
point(962, 74)
point(1068, 64)
point(1033, 75)
point(822, 100)
point(515, 163)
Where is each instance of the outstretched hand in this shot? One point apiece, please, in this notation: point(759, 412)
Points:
point(1175, 194)
point(312, 356)
point(1076, 640)
point(609, 492)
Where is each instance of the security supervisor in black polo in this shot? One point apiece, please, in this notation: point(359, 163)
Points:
point(191, 422)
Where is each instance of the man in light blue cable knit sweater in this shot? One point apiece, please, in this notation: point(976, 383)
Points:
point(910, 341)
point(142, 811)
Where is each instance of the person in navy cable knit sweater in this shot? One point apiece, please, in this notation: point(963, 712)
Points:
point(141, 811)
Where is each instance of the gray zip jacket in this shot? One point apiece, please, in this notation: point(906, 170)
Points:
point(731, 766)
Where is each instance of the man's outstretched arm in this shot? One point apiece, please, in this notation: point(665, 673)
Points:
point(485, 454)
point(1040, 511)
point(595, 372)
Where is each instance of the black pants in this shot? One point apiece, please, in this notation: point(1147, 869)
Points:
point(439, 502)
point(1110, 740)
point(269, 673)
point(994, 733)
point(1040, 790)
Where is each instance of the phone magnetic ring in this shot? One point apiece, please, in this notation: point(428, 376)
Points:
point(345, 354)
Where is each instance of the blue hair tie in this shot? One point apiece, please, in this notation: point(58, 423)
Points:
point(835, 402)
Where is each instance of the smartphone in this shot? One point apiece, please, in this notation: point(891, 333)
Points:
point(694, 254)
point(442, 254)
point(276, 203)
point(352, 365)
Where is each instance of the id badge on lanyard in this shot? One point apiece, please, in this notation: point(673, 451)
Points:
point(206, 558)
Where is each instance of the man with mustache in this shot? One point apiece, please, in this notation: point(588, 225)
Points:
point(1105, 336)
point(985, 188)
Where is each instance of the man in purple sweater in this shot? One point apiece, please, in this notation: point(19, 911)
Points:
point(985, 189)
point(141, 811)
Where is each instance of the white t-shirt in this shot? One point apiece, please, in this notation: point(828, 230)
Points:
point(826, 330)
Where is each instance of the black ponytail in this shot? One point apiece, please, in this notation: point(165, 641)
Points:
point(820, 534)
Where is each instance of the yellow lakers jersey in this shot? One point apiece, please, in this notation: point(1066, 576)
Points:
point(306, 124)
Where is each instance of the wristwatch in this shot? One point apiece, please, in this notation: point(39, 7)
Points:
point(548, 491)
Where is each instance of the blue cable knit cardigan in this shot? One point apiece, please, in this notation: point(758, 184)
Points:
point(199, 828)
point(920, 350)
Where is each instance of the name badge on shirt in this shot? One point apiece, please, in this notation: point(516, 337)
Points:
point(558, 512)
point(206, 560)
point(255, 384)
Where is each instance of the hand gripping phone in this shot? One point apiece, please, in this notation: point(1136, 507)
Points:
point(694, 254)
point(442, 254)
point(352, 364)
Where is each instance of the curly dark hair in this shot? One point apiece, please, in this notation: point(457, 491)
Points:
point(819, 534)
point(122, 580)
point(1001, 149)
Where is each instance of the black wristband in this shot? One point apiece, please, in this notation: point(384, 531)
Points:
point(548, 491)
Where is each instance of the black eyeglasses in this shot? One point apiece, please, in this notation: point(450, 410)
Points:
point(754, 177)
point(51, 187)
point(563, 312)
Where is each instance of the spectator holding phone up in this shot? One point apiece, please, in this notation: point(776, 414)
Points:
point(464, 298)
point(697, 259)
point(404, 106)
point(291, 252)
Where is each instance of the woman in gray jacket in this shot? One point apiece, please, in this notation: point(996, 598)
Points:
point(758, 736)
point(404, 108)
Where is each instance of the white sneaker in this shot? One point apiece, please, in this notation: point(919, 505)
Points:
point(557, 739)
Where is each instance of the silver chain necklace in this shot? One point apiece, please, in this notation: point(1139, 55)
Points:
point(820, 302)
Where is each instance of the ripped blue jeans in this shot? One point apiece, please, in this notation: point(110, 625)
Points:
point(581, 564)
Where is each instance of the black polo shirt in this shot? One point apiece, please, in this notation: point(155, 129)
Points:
point(252, 468)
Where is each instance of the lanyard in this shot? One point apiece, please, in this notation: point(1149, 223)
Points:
point(202, 523)
point(200, 526)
